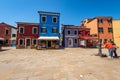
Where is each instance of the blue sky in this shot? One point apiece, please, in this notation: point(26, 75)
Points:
point(72, 11)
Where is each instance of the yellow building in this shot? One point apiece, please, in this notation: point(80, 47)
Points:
point(116, 32)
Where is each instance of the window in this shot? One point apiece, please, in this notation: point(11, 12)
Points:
point(44, 19)
point(6, 31)
point(34, 42)
point(13, 41)
point(6, 41)
point(94, 35)
point(54, 30)
point(43, 30)
point(21, 41)
point(109, 20)
point(100, 29)
point(75, 40)
point(13, 35)
point(100, 40)
point(87, 33)
point(34, 30)
point(105, 40)
point(80, 32)
point(100, 21)
point(110, 30)
point(54, 19)
point(110, 39)
point(68, 32)
point(75, 32)
point(21, 30)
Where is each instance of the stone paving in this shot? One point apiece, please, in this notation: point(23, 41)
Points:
point(62, 64)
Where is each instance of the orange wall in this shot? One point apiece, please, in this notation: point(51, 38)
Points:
point(116, 30)
point(93, 26)
point(105, 34)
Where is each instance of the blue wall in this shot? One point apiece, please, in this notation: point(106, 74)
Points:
point(49, 24)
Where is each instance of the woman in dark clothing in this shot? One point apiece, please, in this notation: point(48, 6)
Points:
point(114, 51)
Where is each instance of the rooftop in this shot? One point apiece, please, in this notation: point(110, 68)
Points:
point(8, 25)
point(49, 13)
point(27, 23)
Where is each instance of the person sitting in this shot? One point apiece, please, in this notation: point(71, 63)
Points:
point(110, 48)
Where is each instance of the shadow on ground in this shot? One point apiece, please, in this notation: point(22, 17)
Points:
point(4, 50)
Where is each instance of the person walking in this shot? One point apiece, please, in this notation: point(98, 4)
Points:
point(110, 48)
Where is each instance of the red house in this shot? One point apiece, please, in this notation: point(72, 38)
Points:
point(27, 35)
point(85, 39)
point(5, 32)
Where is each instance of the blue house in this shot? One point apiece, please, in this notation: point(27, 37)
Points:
point(49, 29)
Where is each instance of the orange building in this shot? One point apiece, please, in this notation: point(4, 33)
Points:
point(116, 30)
point(100, 27)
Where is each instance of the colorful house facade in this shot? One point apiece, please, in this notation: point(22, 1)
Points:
point(13, 36)
point(70, 35)
point(27, 35)
point(116, 31)
point(101, 27)
point(85, 39)
point(49, 29)
point(8, 32)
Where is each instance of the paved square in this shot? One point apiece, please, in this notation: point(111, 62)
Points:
point(63, 64)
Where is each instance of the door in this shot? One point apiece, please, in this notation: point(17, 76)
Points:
point(49, 44)
point(28, 43)
point(70, 42)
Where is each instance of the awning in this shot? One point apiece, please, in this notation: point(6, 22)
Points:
point(13, 39)
point(90, 38)
point(2, 38)
point(48, 38)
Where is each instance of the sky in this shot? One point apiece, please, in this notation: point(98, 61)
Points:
point(71, 11)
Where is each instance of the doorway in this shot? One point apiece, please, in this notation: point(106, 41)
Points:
point(28, 43)
point(49, 44)
point(70, 42)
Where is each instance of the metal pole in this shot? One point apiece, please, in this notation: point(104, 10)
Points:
point(99, 49)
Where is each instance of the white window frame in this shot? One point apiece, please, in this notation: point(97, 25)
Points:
point(53, 18)
point(76, 32)
point(13, 34)
point(33, 42)
point(23, 30)
point(33, 30)
point(42, 17)
point(19, 41)
point(5, 31)
point(42, 32)
point(54, 28)
point(67, 32)
point(76, 40)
